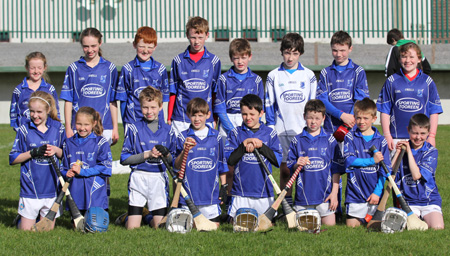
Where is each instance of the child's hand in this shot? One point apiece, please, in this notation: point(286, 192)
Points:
point(155, 153)
point(251, 143)
point(333, 201)
point(403, 143)
point(50, 150)
point(349, 119)
point(70, 173)
point(378, 157)
point(373, 199)
point(390, 141)
point(76, 168)
point(302, 161)
point(189, 143)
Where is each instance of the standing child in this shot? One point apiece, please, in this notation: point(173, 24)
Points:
point(235, 84)
point(194, 73)
point(317, 153)
point(91, 81)
point(288, 88)
point(365, 177)
point(139, 73)
point(406, 93)
point(341, 84)
point(416, 177)
point(148, 183)
point(36, 140)
point(89, 147)
point(37, 80)
point(251, 187)
point(206, 163)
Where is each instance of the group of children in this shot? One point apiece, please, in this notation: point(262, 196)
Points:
point(301, 116)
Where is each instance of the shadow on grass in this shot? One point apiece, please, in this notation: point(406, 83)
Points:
point(8, 211)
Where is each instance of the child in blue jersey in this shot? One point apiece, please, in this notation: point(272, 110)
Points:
point(317, 153)
point(416, 176)
point(37, 140)
point(341, 84)
point(37, 80)
point(206, 163)
point(148, 183)
point(288, 88)
point(365, 176)
point(251, 187)
point(235, 84)
point(406, 93)
point(91, 81)
point(139, 73)
point(194, 73)
point(87, 158)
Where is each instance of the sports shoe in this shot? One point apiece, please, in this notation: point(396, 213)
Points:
point(121, 219)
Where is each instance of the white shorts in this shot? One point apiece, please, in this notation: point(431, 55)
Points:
point(210, 211)
point(30, 208)
point(235, 119)
point(150, 188)
point(180, 126)
point(107, 134)
point(360, 210)
point(421, 211)
point(285, 141)
point(322, 208)
point(259, 204)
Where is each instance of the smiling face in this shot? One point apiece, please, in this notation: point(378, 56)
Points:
point(91, 47)
point(240, 63)
point(314, 121)
point(36, 68)
point(38, 112)
point(251, 117)
point(290, 58)
point(364, 122)
point(144, 50)
point(84, 125)
point(409, 61)
point(150, 110)
point(196, 40)
point(340, 53)
point(417, 136)
point(198, 120)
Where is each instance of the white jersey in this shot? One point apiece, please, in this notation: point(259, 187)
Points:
point(286, 96)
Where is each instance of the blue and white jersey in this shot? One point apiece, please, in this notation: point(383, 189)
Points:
point(250, 179)
point(19, 112)
point(38, 178)
point(93, 87)
point(134, 79)
point(205, 162)
point(190, 80)
point(230, 91)
point(361, 181)
point(286, 97)
point(139, 138)
point(341, 90)
point(88, 189)
point(401, 99)
point(315, 181)
point(423, 191)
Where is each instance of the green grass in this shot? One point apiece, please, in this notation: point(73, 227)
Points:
point(337, 240)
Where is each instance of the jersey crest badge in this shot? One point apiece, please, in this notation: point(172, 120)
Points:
point(212, 151)
point(420, 93)
point(302, 85)
point(323, 151)
point(350, 83)
point(103, 79)
point(205, 73)
point(90, 156)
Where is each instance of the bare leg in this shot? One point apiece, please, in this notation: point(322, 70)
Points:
point(134, 221)
point(329, 220)
point(434, 220)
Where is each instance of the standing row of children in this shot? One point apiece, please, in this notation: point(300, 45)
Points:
point(293, 135)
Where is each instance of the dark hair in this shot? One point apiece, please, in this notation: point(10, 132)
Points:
point(197, 105)
point(394, 35)
point(292, 41)
point(94, 33)
point(240, 46)
point(365, 105)
point(95, 117)
point(420, 120)
point(151, 94)
point(341, 37)
point(315, 105)
point(252, 101)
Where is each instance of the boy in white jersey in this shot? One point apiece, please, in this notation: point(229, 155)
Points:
point(288, 88)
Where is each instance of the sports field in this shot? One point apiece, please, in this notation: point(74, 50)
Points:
point(337, 240)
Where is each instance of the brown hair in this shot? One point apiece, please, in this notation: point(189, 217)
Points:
point(48, 101)
point(95, 117)
point(151, 94)
point(365, 105)
point(197, 105)
point(41, 56)
point(199, 24)
point(148, 34)
point(94, 33)
point(240, 46)
point(394, 35)
point(315, 105)
point(341, 37)
point(420, 120)
point(406, 47)
point(292, 41)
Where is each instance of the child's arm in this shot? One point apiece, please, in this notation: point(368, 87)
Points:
point(269, 102)
point(68, 118)
point(103, 163)
point(414, 169)
point(173, 89)
point(433, 129)
point(14, 110)
point(333, 197)
point(115, 121)
point(186, 146)
point(385, 122)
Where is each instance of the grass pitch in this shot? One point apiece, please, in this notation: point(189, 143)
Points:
point(337, 240)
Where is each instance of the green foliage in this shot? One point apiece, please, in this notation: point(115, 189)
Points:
point(337, 240)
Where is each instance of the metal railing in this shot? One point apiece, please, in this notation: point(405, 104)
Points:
point(367, 21)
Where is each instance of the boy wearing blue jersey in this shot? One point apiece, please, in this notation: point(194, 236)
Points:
point(206, 163)
point(148, 183)
point(288, 88)
point(416, 177)
point(365, 177)
point(235, 84)
point(139, 73)
point(194, 73)
point(317, 153)
point(251, 187)
point(341, 84)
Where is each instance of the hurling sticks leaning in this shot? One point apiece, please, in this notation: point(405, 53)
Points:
point(179, 184)
point(287, 209)
point(375, 222)
point(201, 222)
point(412, 222)
point(265, 220)
point(77, 217)
point(46, 223)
